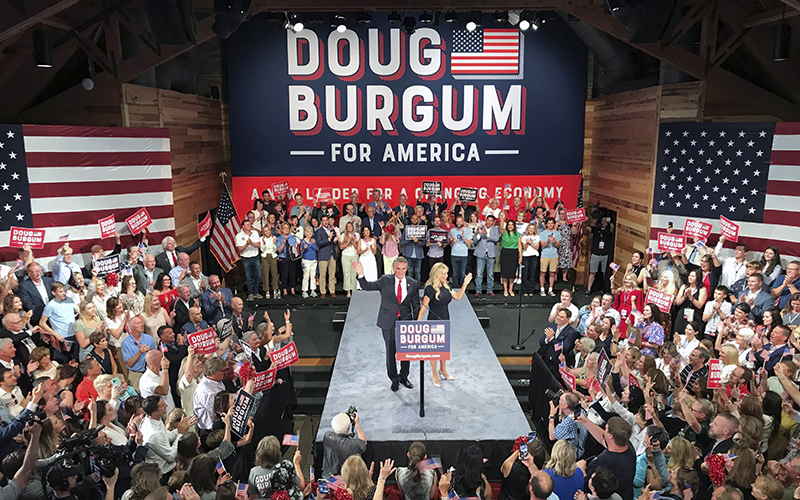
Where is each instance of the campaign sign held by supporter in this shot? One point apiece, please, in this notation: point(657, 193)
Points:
point(468, 194)
point(431, 187)
point(661, 299)
point(242, 407)
point(264, 380)
point(107, 265)
point(323, 195)
point(438, 236)
point(567, 378)
point(226, 331)
point(108, 226)
point(21, 236)
point(416, 232)
point(204, 341)
point(138, 221)
point(603, 367)
point(422, 340)
point(728, 228)
point(668, 242)
point(714, 373)
point(697, 229)
point(285, 356)
point(575, 215)
point(280, 188)
point(204, 227)
point(633, 381)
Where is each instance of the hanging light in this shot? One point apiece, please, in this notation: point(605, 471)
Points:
point(42, 49)
point(473, 20)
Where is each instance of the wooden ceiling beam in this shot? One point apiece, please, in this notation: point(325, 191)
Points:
point(795, 4)
point(693, 65)
point(415, 5)
point(695, 15)
point(708, 35)
point(769, 17)
point(14, 21)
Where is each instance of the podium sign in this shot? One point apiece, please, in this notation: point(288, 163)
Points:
point(422, 340)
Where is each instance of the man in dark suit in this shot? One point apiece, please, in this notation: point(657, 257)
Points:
point(559, 338)
point(757, 296)
point(399, 300)
point(373, 222)
point(216, 301)
point(181, 307)
point(771, 354)
point(35, 292)
point(327, 241)
point(168, 259)
point(147, 274)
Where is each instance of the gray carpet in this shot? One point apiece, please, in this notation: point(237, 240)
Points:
point(460, 410)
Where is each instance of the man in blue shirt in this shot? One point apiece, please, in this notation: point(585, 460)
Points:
point(787, 284)
point(134, 347)
point(460, 241)
point(568, 429)
point(58, 319)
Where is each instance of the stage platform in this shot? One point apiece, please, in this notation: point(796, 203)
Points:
point(478, 406)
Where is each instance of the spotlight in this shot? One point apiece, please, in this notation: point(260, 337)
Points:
point(364, 18)
point(473, 20)
point(426, 18)
point(395, 18)
point(613, 5)
point(501, 17)
point(409, 24)
point(525, 19)
point(87, 84)
point(42, 49)
point(338, 22)
point(296, 22)
point(781, 46)
point(450, 17)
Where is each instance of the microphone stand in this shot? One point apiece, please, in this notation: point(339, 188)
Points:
point(520, 346)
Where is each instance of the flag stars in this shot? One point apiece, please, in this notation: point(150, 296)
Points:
point(725, 180)
point(2, 145)
point(713, 206)
point(17, 197)
point(680, 187)
point(697, 188)
point(703, 133)
point(691, 161)
point(707, 179)
point(666, 151)
point(741, 134)
point(688, 196)
point(743, 200)
point(665, 168)
point(13, 155)
point(699, 170)
point(682, 169)
point(757, 173)
point(745, 181)
point(674, 160)
point(759, 153)
point(668, 133)
point(736, 171)
point(661, 203)
point(730, 144)
point(701, 152)
point(727, 162)
point(717, 171)
point(7, 207)
point(15, 176)
point(695, 206)
point(750, 144)
point(763, 133)
point(747, 163)
point(723, 198)
point(676, 142)
point(689, 179)
point(705, 197)
point(671, 195)
point(719, 152)
point(5, 187)
point(672, 177)
point(683, 151)
point(711, 143)
point(10, 134)
point(663, 186)
point(693, 142)
point(751, 210)
point(20, 216)
point(734, 190)
point(754, 192)
point(732, 208)
point(715, 188)
point(686, 133)
point(739, 153)
point(709, 161)
point(678, 204)
point(2, 166)
point(722, 133)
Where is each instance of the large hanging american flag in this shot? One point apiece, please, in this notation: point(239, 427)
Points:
point(223, 236)
point(747, 172)
point(486, 52)
point(64, 179)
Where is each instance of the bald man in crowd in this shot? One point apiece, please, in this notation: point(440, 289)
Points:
point(155, 379)
point(196, 322)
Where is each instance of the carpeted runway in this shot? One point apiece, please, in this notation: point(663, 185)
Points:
point(479, 405)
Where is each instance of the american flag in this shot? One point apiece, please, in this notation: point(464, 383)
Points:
point(290, 440)
point(220, 468)
point(486, 52)
point(748, 172)
point(223, 237)
point(63, 179)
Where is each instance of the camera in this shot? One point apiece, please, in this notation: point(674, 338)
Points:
point(108, 457)
point(36, 416)
point(351, 412)
point(554, 396)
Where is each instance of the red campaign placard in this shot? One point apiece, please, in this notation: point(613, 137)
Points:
point(575, 215)
point(668, 242)
point(264, 380)
point(323, 195)
point(567, 377)
point(714, 373)
point(108, 226)
point(662, 300)
point(728, 228)
point(285, 356)
point(697, 229)
point(204, 341)
point(21, 236)
point(204, 228)
point(633, 381)
point(280, 188)
point(138, 221)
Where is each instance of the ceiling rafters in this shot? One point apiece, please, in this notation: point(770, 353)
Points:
point(14, 21)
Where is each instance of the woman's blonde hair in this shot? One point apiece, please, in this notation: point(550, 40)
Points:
point(356, 476)
point(148, 305)
point(730, 352)
point(173, 417)
point(681, 453)
point(84, 317)
point(435, 280)
point(634, 279)
point(562, 459)
point(535, 228)
point(671, 288)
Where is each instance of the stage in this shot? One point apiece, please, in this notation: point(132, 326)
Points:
point(479, 406)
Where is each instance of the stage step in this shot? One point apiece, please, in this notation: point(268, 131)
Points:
point(519, 378)
point(483, 318)
point(311, 384)
point(338, 321)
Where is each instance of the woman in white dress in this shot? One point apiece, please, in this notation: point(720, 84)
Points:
point(366, 254)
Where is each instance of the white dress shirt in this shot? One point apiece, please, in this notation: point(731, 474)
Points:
point(403, 287)
point(162, 445)
point(148, 384)
point(204, 395)
point(42, 291)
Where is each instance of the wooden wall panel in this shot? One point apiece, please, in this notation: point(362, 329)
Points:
point(200, 146)
point(620, 149)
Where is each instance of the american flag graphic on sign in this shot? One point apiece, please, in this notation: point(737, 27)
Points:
point(747, 172)
point(64, 179)
point(488, 52)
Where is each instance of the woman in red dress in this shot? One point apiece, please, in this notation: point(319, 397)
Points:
point(625, 298)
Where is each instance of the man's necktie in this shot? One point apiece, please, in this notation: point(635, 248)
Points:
point(399, 295)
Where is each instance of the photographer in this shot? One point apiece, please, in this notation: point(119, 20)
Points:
point(338, 445)
point(602, 242)
point(568, 429)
